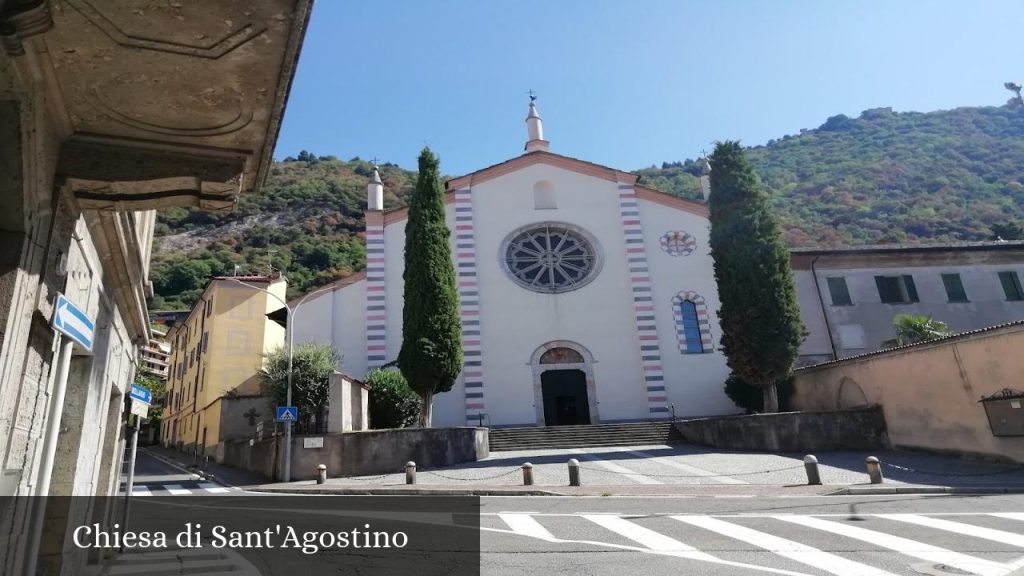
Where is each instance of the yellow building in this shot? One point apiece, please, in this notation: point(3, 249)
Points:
point(213, 389)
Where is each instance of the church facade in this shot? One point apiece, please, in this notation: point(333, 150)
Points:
point(585, 297)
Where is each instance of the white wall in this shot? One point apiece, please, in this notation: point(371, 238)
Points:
point(516, 321)
point(338, 318)
point(817, 343)
point(694, 382)
point(986, 306)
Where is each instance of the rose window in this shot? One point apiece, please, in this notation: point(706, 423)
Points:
point(550, 258)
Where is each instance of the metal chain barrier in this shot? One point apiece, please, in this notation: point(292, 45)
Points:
point(952, 474)
point(800, 466)
point(370, 478)
point(490, 477)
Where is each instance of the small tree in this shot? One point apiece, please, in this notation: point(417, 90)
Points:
point(912, 329)
point(1007, 231)
point(312, 365)
point(158, 387)
point(751, 398)
point(760, 316)
point(392, 403)
point(431, 354)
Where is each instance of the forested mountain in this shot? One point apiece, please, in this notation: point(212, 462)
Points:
point(887, 176)
point(881, 177)
point(307, 221)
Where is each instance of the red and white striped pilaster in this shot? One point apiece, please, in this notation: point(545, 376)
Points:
point(469, 306)
point(643, 302)
point(376, 300)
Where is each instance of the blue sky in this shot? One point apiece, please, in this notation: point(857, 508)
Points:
point(630, 83)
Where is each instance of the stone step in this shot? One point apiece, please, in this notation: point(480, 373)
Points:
point(542, 437)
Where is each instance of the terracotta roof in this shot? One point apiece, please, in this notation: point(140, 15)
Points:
point(250, 278)
point(951, 337)
point(336, 285)
point(931, 247)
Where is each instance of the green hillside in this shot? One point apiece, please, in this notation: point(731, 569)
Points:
point(307, 221)
point(887, 177)
point(882, 177)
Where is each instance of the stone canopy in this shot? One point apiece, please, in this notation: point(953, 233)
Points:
point(159, 104)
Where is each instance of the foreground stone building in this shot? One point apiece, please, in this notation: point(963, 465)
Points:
point(108, 112)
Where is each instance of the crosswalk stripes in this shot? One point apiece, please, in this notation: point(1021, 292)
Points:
point(780, 535)
point(1001, 536)
point(796, 551)
point(181, 562)
point(176, 489)
point(902, 545)
point(213, 488)
point(646, 537)
point(187, 489)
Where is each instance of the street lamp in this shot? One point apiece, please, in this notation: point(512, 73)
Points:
point(289, 311)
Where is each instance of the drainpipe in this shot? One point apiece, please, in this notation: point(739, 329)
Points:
point(824, 311)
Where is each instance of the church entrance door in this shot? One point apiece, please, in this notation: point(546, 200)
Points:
point(565, 397)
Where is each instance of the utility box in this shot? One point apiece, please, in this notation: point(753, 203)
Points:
point(1005, 411)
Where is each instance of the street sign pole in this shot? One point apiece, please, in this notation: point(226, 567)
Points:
point(65, 345)
point(71, 325)
point(131, 475)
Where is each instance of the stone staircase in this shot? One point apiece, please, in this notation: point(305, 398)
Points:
point(543, 437)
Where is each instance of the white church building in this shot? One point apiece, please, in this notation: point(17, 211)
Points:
point(585, 297)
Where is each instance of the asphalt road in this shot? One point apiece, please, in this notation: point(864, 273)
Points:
point(845, 536)
point(154, 477)
point(879, 535)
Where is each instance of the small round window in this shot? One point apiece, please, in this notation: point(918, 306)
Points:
point(550, 258)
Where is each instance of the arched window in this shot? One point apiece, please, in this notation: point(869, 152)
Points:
point(544, 196)
point(692, 326)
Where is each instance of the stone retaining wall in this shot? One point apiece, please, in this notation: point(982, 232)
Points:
point(363, 453)
point(854, 429)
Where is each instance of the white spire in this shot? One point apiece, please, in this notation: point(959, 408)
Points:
point(535, 129)
point(705, 177)
point(375, 192)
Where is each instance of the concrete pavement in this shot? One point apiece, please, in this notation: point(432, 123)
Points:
point(667, 470)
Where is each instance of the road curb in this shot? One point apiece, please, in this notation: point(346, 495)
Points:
point(962, 490)
point(409, 492)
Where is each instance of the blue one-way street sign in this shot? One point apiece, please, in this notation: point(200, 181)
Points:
point(73, 323)
point(140, 394)
point(287, 413)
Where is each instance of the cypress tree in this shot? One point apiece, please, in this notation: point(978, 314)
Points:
point(760, 316)
point(431, 354)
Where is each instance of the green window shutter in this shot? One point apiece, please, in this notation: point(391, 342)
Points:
point(954, 287)
point(908, 283)
point(839, 291)
point(1011, 285)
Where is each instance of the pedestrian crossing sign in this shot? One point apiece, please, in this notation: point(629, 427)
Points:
point(287, 414)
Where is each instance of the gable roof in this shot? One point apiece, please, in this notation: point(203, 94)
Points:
point(331, 287)
point(955, 337)
point(559, 161)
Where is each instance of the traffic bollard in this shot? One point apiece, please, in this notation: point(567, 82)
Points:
point(527, 474)
point(811, 466)
point(574, 472)
point(321, 474)
point(410, 472)
point(874, 469)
